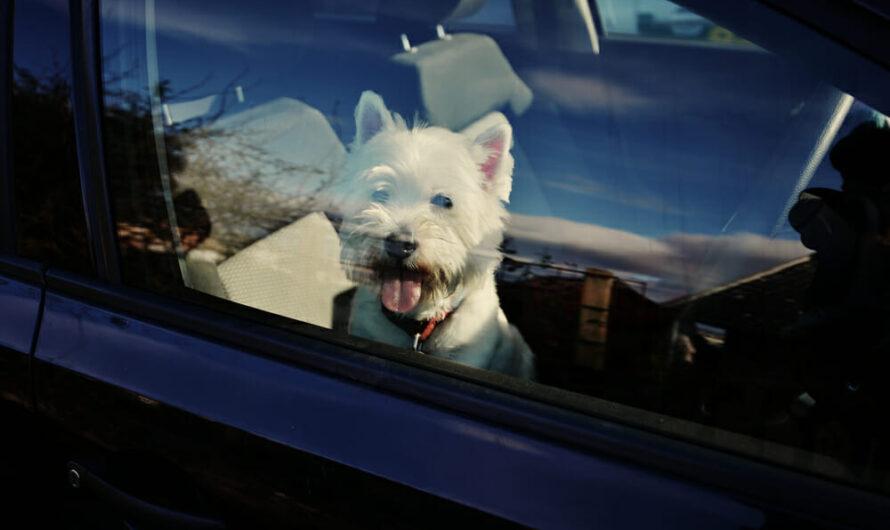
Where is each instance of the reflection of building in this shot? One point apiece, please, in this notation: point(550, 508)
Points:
point(583, 323)
point(617, 325)
point(545, 308)
point(743, 363)
point(591, 328)
point(753, 309)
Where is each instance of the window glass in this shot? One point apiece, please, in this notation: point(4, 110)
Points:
point(49, 213)
point(658, 19)
point(509, 188)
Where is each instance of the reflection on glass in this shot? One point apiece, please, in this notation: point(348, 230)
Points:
point(647, 258)
point(50, 223)
point(661, 19)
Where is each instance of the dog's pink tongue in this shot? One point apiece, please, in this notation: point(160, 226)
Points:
point(401, 291)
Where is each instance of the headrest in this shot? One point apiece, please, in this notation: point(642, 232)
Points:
point(462, 78)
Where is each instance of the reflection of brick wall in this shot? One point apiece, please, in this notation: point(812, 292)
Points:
point(579, 327)
point(753, 310)
point(638, 333)
point(545, 309)
point(618, 328)
point(593, 319)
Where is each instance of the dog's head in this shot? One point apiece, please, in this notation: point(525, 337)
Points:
point(423, 208)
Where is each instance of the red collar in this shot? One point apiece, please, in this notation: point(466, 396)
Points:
point(419, 329)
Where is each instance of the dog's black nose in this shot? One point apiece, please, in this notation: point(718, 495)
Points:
point(399, 248)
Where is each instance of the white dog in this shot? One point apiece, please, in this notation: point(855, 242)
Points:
point(423, 216)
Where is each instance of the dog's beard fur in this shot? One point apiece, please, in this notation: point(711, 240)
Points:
point(446, 266)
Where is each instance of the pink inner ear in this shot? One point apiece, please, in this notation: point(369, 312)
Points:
point(496, 148)
point(372, 122)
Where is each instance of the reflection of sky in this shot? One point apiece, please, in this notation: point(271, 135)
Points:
point(655, 140)
point(645, 138)
point(41, 36)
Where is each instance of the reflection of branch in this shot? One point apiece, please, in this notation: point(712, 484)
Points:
point(236, 178)
point(170, 94)
point(223, 105)
point(237, 181)
point(199, 122)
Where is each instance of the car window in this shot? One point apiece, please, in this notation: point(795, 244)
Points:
point(49, 216)
point(595, 197)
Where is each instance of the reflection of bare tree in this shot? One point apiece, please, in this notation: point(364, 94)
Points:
point(139, 199)
point(50, 220)
point(241, 184)
point(247, 189)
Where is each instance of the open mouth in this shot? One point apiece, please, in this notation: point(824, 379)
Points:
point(400, 289)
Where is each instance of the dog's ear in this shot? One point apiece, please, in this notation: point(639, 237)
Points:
point(497, 169)
point(371, 117)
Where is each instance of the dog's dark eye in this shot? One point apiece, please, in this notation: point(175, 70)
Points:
point(442, 201)
point(380, 196)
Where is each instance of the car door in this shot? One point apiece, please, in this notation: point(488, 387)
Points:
point(21, 280)
point(21, 288)
point(194, 410)
point(20, 285)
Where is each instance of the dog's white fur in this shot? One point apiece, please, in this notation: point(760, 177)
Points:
point(456, 246)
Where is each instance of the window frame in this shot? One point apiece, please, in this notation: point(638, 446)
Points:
point(86, 100)
point(7, 191)
point(550, 414)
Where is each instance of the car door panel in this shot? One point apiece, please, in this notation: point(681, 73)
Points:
point(131, 373)
point(20, 300)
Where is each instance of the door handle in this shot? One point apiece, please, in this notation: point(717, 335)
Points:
point(136, 511)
